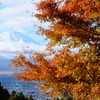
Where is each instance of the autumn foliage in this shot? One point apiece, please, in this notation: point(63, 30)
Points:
point(73, 24)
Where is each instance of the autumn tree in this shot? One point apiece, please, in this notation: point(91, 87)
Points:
point(73, 24)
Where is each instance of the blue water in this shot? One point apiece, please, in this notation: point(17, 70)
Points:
point(19, 86)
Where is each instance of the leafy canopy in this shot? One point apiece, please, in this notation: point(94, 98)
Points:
point(74, 24)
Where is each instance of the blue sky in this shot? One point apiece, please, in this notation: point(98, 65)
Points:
point(16, 15)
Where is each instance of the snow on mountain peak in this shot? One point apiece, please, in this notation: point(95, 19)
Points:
point(16, 37)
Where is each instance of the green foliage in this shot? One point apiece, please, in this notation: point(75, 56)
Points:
point(30, 98)
point(4, 95)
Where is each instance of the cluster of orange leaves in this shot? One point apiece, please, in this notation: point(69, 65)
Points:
point(67, 73)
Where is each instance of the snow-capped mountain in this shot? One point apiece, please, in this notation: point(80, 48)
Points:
point(16, 37)
point(10, 42)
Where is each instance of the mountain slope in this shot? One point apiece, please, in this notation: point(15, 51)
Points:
point(16, 37)
point(10, 42)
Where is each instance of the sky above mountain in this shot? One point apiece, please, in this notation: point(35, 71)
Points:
point(16, 15)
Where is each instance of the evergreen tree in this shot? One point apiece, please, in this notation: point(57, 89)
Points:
point(30, 98)
point(4, 94)
point(13, 96)
point(21, 96)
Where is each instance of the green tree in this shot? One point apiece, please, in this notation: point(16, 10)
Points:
point(30, 98)
point(13, 96)
point(21, 96)
point(4, 94)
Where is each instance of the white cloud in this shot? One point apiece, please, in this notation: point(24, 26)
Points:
point(6, 72)
point(14, 2)
point(20, 46)
point(16, 14)
point(18, 22)
point(9, 50)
